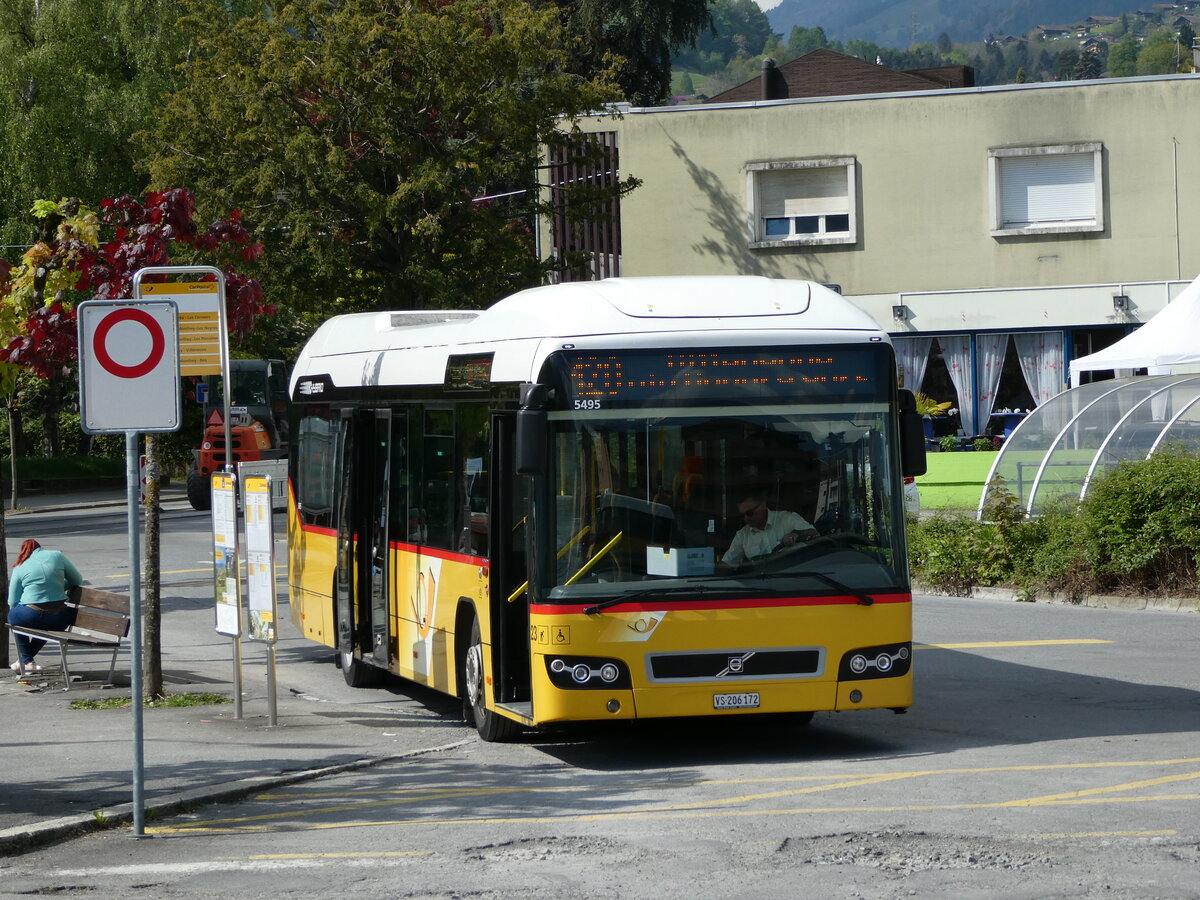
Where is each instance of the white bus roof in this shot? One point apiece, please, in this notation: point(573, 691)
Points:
point(521, 330)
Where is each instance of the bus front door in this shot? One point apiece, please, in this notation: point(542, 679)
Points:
point(509, 603)
point(363, 573)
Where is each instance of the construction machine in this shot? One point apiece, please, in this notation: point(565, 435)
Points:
point(258, 423)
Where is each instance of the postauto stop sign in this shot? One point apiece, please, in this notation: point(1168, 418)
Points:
point(128, 365)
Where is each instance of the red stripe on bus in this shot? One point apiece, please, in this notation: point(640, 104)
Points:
point(547, 609)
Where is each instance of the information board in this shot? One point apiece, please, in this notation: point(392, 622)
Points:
point(226, 583)
point(260, 559)
point(199, 305)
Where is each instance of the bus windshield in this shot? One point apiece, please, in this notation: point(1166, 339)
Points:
point(683, 491)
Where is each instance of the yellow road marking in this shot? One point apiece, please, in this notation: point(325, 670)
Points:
point(1092, 792)
point(660, 813)
point(978, 645)
point(702, 808)
point(1166, 832)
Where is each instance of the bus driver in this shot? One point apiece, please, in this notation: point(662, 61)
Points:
point(766, 531)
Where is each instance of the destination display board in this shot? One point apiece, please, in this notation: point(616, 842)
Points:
point(635, 378)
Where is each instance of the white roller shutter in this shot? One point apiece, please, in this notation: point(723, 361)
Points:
point(1057, 187)
point(803, 192)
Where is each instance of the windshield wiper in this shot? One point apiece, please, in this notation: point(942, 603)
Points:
point(690, 589)
point(864, 599)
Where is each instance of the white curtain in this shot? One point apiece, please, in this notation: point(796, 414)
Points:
point(1041, 355)
point(956, 352)
point(991, 349)
point(912, 355)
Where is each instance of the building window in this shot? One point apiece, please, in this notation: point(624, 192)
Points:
point(803, 202)
point(1046, 190)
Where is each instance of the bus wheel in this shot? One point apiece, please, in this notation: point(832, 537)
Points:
point(357, 673)
point(491, 727)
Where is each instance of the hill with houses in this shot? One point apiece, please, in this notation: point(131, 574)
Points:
point(901, 23)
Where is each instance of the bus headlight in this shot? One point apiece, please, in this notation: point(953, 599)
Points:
point(587, 672)
point(886, 661)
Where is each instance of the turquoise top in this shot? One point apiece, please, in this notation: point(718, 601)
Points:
point(43, 578)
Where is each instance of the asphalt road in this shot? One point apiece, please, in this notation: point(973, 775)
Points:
point(1051, 752)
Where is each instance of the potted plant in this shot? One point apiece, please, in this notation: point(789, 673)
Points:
point(929, 409)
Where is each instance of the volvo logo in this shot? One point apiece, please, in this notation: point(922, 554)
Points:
point(735, 665)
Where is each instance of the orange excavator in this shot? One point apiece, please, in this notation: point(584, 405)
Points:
point(258, 423)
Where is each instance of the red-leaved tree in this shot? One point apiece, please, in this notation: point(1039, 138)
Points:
point(69, 263)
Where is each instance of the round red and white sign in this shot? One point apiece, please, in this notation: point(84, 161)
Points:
point(153, 331)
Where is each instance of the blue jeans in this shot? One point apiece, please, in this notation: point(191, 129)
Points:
point(25, 616)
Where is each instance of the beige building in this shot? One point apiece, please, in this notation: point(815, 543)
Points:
point(996, 232)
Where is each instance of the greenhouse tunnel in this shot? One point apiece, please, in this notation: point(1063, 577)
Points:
point(1065, 444)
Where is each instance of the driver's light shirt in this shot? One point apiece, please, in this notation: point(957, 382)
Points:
point(751, 542)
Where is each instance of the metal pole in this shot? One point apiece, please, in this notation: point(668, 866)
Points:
point(237, 674)
point(238, 551)
point(132, 485)
point(271, 710)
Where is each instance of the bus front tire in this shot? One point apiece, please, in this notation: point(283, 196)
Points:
point(491, 726)
point(357, 673)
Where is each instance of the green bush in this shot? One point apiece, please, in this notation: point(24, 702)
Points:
point(40, 468)
point(983, 444)
point(1140, 524)
point(1138, 530)
point(949, 443)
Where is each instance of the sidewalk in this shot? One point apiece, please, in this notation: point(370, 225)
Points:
point(69, 771)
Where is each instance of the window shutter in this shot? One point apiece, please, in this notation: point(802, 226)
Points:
point(803, 192)
point(1057, 187)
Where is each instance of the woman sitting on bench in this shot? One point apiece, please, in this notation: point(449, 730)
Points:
point(37, 598)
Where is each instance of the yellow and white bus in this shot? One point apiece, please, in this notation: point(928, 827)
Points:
point(532, 507)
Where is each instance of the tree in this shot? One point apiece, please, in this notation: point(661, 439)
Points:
point(1159, 54)
point(389, 152)
point(1187, 36)
point(642, 36)
point(1088, 67)
point(114, 60)
point(1067, 60)
point(944, 44)
point(806, 40)
point(1122, 58)
point(739, 27)
point(37, 299)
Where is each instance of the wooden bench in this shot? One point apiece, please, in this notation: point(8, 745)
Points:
point(101, 621)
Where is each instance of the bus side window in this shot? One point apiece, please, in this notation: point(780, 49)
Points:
point(436, 487)
point(474, 421)
point(314, 477)
point(398, 502)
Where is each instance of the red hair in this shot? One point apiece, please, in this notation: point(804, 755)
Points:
point(27, 549)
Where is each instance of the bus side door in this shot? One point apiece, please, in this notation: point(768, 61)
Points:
point(361, 583)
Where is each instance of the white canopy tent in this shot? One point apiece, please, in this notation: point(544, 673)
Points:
point(1170, 338)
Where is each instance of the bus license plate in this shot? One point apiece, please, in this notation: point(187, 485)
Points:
point(735, 701)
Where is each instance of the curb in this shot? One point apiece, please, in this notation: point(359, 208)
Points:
point(1098, 601)
point(22, 839)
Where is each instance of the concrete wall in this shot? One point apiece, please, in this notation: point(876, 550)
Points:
point(922, 162)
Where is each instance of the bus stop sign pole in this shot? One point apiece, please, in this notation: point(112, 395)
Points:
point(129, 382)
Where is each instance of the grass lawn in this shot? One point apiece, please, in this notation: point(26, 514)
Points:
point(954, 480)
